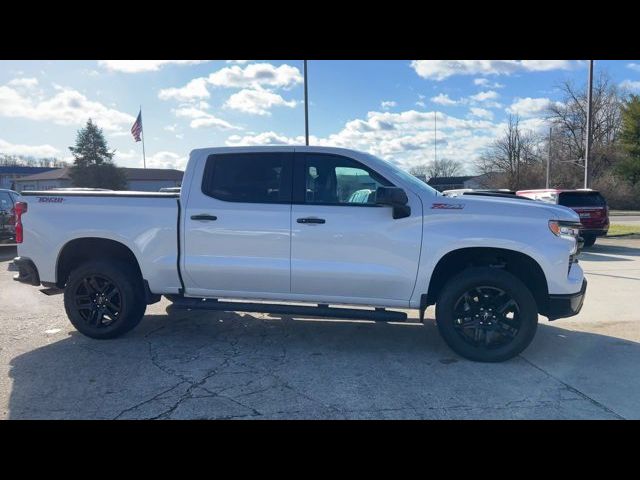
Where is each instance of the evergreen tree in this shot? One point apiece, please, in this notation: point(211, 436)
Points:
point(93, 162)
point(629, 166)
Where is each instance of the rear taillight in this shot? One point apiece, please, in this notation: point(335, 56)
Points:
point(20, 209)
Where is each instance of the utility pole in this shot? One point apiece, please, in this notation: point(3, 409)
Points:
point(306, 106)
point(549, 158)
point(435, 137)
point(588, 139)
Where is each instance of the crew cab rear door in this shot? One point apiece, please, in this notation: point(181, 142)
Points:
point(343, 246)
point(237, 225)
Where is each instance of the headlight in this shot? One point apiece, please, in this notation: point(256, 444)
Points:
point(567, 230)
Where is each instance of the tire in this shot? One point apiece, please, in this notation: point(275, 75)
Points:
point(502, 335)
point(589, 241)
point(90, 288)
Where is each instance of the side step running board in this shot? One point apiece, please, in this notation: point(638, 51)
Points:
point(379, 314)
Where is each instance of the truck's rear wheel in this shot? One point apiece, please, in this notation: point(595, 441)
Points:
point(486, 314)
point(589, 240)
point(104, 299)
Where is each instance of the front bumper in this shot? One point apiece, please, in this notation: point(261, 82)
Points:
point(562, 306)
point(27, 271)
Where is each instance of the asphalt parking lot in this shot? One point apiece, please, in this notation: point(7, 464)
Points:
point(196, 365)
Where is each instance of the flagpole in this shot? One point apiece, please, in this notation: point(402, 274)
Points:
point(144, 157)
point(306, 106)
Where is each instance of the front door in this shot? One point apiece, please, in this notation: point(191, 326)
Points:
point(237, 226)
point(343, 245)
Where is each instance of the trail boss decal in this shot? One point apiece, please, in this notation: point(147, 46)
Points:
point(448, 206)
point(50, 199)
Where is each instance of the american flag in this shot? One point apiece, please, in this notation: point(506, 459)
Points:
point(136, 129)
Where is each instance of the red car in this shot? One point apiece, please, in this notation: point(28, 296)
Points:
point(8, 199)
point(589, 204)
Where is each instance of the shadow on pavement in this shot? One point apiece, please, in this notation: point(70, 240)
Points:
point(230, 365)
point(605, 252)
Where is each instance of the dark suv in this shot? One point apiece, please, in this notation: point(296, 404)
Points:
point(8, 199)
point(589, 204)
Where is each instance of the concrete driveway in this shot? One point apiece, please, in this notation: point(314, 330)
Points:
point(232, 365)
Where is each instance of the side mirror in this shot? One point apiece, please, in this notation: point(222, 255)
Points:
point(396, 198)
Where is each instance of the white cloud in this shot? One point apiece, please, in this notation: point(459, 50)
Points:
point(634, 66)
point(631, 85)
point(406, 138)
point(529, 107)
point(481, 113)
point(443, 99)
point(202, 119)
point(264, 138)
point(171, 128)
point(256, 74)
point(66, 107)
point(239, 62)
point(484, 82)
point(484, 96)
point(257, 101)
point(46, 151)
point(441, 69)
point(24, 82)
point(166, 159)
point(387, 104)
point(195, 89)
point(137, 66)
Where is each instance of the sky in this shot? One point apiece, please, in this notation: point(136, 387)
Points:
point(396, 109)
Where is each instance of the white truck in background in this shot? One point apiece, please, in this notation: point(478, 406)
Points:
point(320, 226)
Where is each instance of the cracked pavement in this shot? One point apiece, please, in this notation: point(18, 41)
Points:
point(212, 365)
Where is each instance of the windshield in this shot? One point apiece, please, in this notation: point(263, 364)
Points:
point(406, 176)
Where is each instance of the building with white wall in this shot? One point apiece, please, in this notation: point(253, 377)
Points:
point(139, 179)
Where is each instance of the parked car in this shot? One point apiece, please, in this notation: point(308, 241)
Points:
point(8, 199)
point(294, 225)
point(589, 204)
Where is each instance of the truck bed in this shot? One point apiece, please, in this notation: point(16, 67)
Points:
point(144, 222)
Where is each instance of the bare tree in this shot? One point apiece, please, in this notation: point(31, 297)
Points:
point(23, 161)
point(437, 168)
point(569, 119)
point(513, 157)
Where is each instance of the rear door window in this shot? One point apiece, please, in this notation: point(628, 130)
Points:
point(249, 177)
point(580, 199)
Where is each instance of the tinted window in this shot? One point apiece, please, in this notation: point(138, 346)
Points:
point(332, 179)
point(578, 199)
point(249, 178)
point(5, 201)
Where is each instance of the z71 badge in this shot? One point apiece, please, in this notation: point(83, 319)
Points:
point(448, 206)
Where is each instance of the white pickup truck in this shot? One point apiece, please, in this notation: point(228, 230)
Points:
point(316, 226)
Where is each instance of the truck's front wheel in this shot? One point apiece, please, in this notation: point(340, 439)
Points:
point(104, 299)
point(486, 314)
